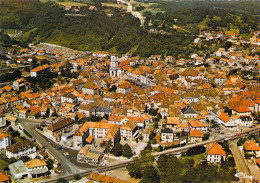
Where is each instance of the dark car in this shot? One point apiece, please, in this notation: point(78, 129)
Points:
point(59, 148)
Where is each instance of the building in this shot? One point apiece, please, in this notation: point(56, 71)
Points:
point(196, 136)
point(129, 130)
point(167, 135)
point(246, 121)
point(18, 170)
point(4, 178)
point(24, 148)
point(114, 70)
point(251, 148)
point(99, 130)
point(2, 120)
point(68, 97)
point(85, 155)
point(41, 70)
point(5, 140)
point(195, 124)
point(36, 168)
point(189, 112)
point(99, 178)
point(215, 153)
point(241, 110)
point(62, 126)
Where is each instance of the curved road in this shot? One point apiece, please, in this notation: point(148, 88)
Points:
point(134, 13)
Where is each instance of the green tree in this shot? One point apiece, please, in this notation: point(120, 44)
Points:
point(150, 175)
point(49, 163)
point(62, 180)
point(117, 149)
point(127, 151)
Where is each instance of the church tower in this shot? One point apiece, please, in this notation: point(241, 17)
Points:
point(114, 66)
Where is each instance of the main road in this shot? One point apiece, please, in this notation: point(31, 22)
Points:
point(68, 168)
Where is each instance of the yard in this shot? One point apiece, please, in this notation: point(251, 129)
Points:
point(3, 164)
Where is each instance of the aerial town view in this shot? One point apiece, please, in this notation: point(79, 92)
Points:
point(121, 91)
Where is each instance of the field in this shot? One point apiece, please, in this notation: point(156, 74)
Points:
point(70, 3)
point(12, 31)
point(115, 5)
point(3, 164)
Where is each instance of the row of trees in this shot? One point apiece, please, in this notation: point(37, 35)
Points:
point(171, 169)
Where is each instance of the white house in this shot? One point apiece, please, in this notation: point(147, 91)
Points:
point(5, 140)
point(36, 168)
point(167, 135)
point(215, 153)
point(2, 120)
point(20, 149)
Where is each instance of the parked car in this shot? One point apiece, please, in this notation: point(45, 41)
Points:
point(59, 148)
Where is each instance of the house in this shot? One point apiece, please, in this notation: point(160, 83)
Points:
point(5, 140)
point(41, 70)
point(129, 130)
point(62, 126)
point(36, 168)
point(85, 155)
point(124, 88)
point(99, 130)
point(23, 148)
point(18, 170)
point(90, 88)
point(172, 122)
point(19, 84)
point(196, 136)
point(246, 121)
point(23, 113)
point(167, 135)
point(251, 148)
point(189, 112)
point(85, 109)
point(202, 126)
point(12, 120)
point(215, 153)
point(101, 111)
point(226, 121)
point(68, 97)
point(2, 120)
point(100, 54)
point(241, 110)
point(4, 178)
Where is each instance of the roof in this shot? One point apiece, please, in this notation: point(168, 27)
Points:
point(166, 130)
point(61, 124)
point(35, 163)
point(129, 125)
point(11, 118)
point(188, 110)
point(173, 120)
point(17, 168)
point(3, 177)
point(103, 178)
point(196, 123)
point(23, 145)
point(251, 146)
point(37, 69)
point(3, 135)
point(241, 109)
point(224, 117)
point(196, 133)
point(89, 139)
point(216, 149)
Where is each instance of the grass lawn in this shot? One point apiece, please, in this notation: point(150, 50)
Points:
point(197, 157)
point(3, 164)
point(70, 3)
point(115, 5)
point(12, 31)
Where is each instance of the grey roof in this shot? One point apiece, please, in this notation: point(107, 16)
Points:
point(17, 168)
point(167, 130)
point(102, 109)
point(188, 110)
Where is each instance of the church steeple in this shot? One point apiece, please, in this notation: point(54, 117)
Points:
point(114, 66)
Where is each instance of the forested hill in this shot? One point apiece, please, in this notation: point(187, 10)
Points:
point(118, 32)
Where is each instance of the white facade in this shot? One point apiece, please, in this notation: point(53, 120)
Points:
point(2, 121)
point(5, 142)
point(212, 158)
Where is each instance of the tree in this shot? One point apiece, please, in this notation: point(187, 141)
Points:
point(150, 175)
point(117, 149)
point(127, 151)
point(77, 177)
point(62, 180)
point(108, 145)
point(206, 136)
point(25, 158)
point(49, 163)
point(139, 164)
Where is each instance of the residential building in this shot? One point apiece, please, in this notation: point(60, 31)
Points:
point(36, 168)
point(4, 178)
point(167, 135)
point(5, 140)
point(23, 148)
point(62, 126)
point(251, 148)
point(2, 120)
point(41, 70)
point(215, 153)
point(196, 136)
point(85, 155)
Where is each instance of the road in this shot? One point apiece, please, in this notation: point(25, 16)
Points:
point(134, 13)
point(239, 159)
point(68, 168)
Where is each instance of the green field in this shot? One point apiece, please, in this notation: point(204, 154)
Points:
point(12, 31)
point(3, 164)
point(70, 3)
point(115, 5)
